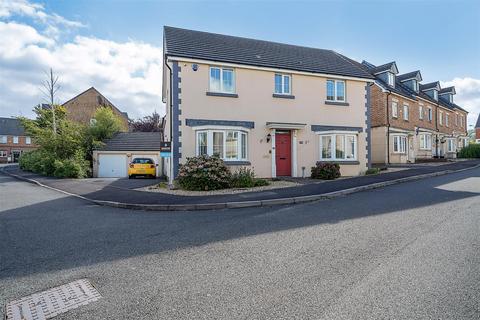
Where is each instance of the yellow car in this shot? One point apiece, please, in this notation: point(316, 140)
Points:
point(142, 167)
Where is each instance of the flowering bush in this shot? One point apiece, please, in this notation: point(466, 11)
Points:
point(204, 173)
point(326, 171)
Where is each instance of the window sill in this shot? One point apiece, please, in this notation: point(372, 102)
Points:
point(283, 96)
point(342, 162)
point(222, 94)
point(237, 163)
point(337, 103)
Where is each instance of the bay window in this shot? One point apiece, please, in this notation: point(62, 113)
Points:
point(336, 90)
point(425, 141)
point(338, 147)
point(230, 145)
point(222, 80)
point(451, 145)
point(282, 83)
point(399, 144)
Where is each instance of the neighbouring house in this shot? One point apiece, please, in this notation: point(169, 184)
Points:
point(82, 107)
point(13, 140)
point(477, 130)
point(112, 160)
point(411, 121)
point(277, 108)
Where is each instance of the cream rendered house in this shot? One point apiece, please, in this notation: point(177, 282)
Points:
point(275, 107)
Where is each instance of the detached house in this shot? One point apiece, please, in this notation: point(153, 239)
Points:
point(275, 107)
point(413, 121)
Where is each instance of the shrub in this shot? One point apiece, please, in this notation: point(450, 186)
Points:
point(326, 171)
point(372, 171)
point(470, 151)
point(245, 178)
point(204, 173)
point(43, 163)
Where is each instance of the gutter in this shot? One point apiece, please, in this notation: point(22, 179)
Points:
point(388, 129)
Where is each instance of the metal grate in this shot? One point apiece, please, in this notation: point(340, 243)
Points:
point(52, 302)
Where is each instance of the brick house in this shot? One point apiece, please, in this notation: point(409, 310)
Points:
point(274, 107)
point(82, 107)
point(412, 121)
point(13, 140)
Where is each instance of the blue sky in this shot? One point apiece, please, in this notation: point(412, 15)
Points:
point(440, 38)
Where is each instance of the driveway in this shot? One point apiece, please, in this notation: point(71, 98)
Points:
point(409, 251)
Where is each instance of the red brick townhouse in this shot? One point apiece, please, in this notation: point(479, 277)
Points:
point(13, 140)
point(411, 121)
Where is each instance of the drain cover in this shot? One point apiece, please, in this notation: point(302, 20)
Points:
point(49, 303)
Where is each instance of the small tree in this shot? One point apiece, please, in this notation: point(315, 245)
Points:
point(50, 88)
point(104, 126)
point(151, 123)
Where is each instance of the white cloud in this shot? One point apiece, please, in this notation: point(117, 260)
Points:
point(129, 74)
point(468, 95)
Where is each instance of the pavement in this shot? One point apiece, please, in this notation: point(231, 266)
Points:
point(122, 190)
point(407, 251)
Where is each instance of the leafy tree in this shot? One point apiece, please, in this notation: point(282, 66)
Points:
point(151, 123)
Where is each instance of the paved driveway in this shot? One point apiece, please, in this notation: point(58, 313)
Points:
point(409, 251)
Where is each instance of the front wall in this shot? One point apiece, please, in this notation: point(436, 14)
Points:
point(255, 103)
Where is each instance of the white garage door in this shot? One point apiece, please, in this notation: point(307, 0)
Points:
point(112, 165)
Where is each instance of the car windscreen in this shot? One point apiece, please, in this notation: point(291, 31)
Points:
point(142, 161)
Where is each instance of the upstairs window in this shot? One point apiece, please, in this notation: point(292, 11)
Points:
point(456, 119)
point(430, 117)
point(336, 90)
point(394, 109)
point(415, 85)
point(28, 140)
point(391, 79)
point(461, 121)
point(222, 80)
point(282, 84)
point(3, 139)
point(420, 112)
point(450, 98)
point(446, 119)
point(435, 94)
point(405, 112)
point(15, 139)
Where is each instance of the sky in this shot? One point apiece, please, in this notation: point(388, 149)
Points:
point(116, 45)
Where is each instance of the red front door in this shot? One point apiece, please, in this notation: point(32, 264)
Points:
point(283, 153)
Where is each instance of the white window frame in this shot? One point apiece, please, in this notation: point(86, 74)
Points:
point(391, 79)
point(3, 153)
point(440, 120)
point(401, 144)
point(242, 134)
point(406, 112)
point(16, 139)
point(4, 139)
point(335, 90)
point(447, 116)
point(420, 112)
point(425, 141)
point(461, 121)
point(435, 94)
point(333, 137)
point(394, 109)
point(456, 119)
point(222, 89)
point(282, 84)
point(28, 140)
point(451, 147)
point(430, 114)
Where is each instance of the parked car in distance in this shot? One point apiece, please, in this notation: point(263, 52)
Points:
point(142, 167)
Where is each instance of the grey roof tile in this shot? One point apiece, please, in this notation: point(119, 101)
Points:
point(428, 86)
point(410, 75)
point(11, 127)
point(223, 48)
point(133, 141)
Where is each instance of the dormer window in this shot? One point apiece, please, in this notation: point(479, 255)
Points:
point(415, 85)
point(391, 79)
point(450, 98)
point(435, 94)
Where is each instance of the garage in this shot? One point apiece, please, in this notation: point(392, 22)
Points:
point(113, 158)
point(112, 165)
